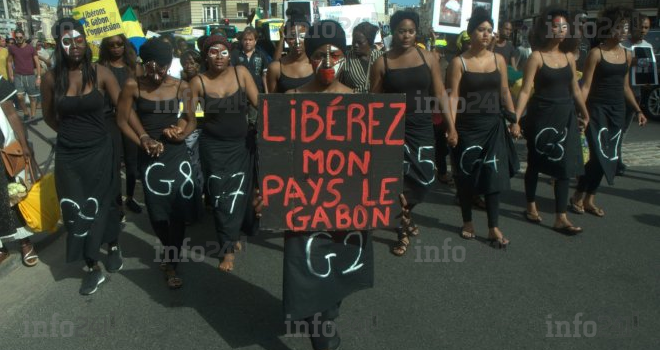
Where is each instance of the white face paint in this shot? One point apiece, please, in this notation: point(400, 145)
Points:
point(69, 39)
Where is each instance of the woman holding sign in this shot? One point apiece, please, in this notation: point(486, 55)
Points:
point(314, 286)
point(417, 73)
point(226, 152)
point(167, 175)
point(606, 88)
point(74, 106)
point(484, 157)
point(293, 70)
point(553, 138)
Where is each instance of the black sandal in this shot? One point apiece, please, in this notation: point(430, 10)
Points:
point(400, 248)
point(173, 281)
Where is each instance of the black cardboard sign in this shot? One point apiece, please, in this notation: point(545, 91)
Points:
point(330, 162)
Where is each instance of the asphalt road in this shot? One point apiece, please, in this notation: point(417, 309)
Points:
point(599, 290)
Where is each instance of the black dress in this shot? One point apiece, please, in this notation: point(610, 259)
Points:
point(553, 138)
point(485, 156)
point(84, 175)
point(285, 83)
point(227, 156)
point(168, 180)
point(419, 150)
point(607, 113)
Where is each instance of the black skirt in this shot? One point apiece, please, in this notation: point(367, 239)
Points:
point(86, 187)
point(228, 167)
point(169, 184)
point(322, 268)
point(485, 156)
point(604, 132)
point(418, 157)
point(553, 138)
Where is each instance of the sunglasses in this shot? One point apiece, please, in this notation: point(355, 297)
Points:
point(152, 67)
point(79, 41)
point(19, 37)
point(214, 52)
point(116, 45)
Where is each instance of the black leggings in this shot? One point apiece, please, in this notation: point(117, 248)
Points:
point(131, 164)
point(593, 175)
point(466, 198)
point(441, 150)
point(171, 234)
point(323, 331)
point(561, 189)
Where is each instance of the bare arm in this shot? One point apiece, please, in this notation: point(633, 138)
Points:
point(440, 95)
point(505, 93)
point(109, 83)
point(125, 109)
point(588, 75)
point(37, 66)
point(630, 97)
point(273, 75)
point(455, 72)
point(376, 76)
point(533, 64)
point(47, 101)
point(577, 94)
point(250, 87)
point(16, 125)
point(10, 67)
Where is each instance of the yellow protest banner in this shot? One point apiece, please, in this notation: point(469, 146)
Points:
point(101, 19)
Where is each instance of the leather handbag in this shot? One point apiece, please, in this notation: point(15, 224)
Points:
point(14, 159)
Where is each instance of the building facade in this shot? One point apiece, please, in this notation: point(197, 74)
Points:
point(64, 8)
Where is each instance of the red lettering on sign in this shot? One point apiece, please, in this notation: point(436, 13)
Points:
point(331, 188)
point(343, 217)
point(316, 187)
point(334, 106)
point(320, 216)
point(266, 119)
point(293, 191)
point(360, 217)
point(267, 190)
point(293, 119)
point(290, 216)
point(335, 154)
point(378, 215)
point(397, 120)
point(373, 123)
point(365, 194)
point(363, 164)
point(314, 156)
point(310, 111)
point(384, 191)
point(356, 119)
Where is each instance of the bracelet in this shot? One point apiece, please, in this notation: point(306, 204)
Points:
point(143, 135)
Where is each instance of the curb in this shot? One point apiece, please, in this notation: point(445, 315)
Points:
point(41, 242)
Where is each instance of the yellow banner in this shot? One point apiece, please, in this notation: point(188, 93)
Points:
point(100, 18)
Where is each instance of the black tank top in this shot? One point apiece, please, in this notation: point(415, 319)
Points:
point(285, 83)
point(415, 82)
point(226, 117)
point(121, 74)
point(608, 80)
point(480, 91)
point(553, 82)
point(157, 115)
point(82, 118)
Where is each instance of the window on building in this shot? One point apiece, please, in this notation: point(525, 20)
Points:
point(273, 10)
point(211, 14)
point(242, 9)
point(165, 16)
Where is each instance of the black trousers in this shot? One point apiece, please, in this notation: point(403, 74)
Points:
point(561, 189)
point(171, 234)
point(322, 329)
point(593, 175)
point(466, 197)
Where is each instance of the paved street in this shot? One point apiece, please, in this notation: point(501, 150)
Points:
point(599, 290)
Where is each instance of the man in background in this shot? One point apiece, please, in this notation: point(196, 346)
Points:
point(503, 45)
point(21, 65)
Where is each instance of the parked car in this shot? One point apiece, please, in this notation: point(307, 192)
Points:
point(651, 94)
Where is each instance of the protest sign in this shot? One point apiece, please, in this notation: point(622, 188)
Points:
point(101, 19)
point(451, 16)
point(350, 16)
point(645, 72)
point(330, 162)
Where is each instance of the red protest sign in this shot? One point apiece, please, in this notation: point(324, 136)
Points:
point(330, 161)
